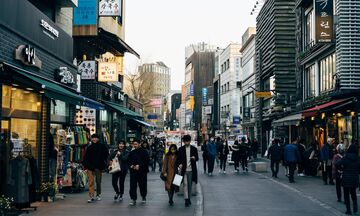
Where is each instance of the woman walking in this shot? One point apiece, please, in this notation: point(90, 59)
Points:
point(350, 166)
point(204, 154)
point(337, 174)
point(235, 156)
point(118, 178)
point(169, 171)
point(223, 154)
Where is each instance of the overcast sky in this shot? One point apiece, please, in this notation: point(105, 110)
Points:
point(159, 30)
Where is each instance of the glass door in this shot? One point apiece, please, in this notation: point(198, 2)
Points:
point(4, 154)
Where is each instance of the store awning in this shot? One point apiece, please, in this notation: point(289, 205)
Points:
point(143, 123)
point(314, 111)
point(125, 111)
point(54, 90)
point(288, 120)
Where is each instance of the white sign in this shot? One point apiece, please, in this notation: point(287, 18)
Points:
point(78, 83)
point(50, 31)
point(65, 76)
point(110, 8)
point(207, 110)
point(87, 69)
point(107, 72)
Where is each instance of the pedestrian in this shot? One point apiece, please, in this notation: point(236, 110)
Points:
point(243, 152)
point(94, 162)
point(301, 164)
point(336, 173)
point(218, 143)
point(204, 154)
point(118, 178)
point(326, 155)
point(211, 154)
point(312, 159)
point(248, 143)
point(145, 145)
point(160, 156)
point(274, 153)
point(187, 158)
point(255, 148)
point(169, 171)
point(139, 167)
point(235, 156)
point(223, 154)
point(350, 166)
point(292, 157)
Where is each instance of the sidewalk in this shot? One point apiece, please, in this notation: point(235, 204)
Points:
point(310, 187)
point(157, 202)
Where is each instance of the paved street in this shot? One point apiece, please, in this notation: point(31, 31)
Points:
point(222, 194)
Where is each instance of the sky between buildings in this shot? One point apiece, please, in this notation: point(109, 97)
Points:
point(159, 30)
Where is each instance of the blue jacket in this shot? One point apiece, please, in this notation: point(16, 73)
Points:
point(326, 152)
point(211, 149)
point(291, 153)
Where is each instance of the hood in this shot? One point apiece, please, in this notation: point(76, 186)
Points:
point(352, 156)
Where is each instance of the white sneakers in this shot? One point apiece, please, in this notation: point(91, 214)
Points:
point(92, 199)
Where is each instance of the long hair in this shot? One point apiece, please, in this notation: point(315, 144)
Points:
point(171, 146)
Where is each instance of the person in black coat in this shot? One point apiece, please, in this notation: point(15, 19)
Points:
point(350, 166)
point(186, 161)
point(244, 152)
point(235, 156)
point(118, 178)
point(95, 161)
point(139, 167)
point(204, 154)
point(223, 154)
point(274, 153)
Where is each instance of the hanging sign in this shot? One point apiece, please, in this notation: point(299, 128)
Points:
point(324, 21)
point(27, 55)
point(109, 8)
point(107, 72)
point(85, 13)
point(64, 76)
point(87, 69)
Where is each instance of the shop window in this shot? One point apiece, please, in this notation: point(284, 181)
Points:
point(327, 73)
point(19, 99)
point(59, 111)
point(309, 29)
point(309, 87)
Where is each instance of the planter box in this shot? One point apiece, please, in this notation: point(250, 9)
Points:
point(259, 166)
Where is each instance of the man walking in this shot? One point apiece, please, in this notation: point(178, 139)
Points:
point(187, 158)
point(211, 154)
point(95, 162)
point(292, 157)
point(274, 153)
point(326, 155)
point(139, 167)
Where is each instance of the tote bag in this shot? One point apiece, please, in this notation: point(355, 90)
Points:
point(177, 180)
point(115, 166)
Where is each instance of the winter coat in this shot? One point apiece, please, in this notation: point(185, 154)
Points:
point(326, 153)
point(274, 152)
point(139, 157)
point(203, 149)
point(182, 160)
point(96, 156)
point(223, 150)
point(291, 153)
point(211, 149)
point(350, 166)
point(235, 153)
point(122, 157)
point(170, 169)
point(335, 171)
point(243, 150)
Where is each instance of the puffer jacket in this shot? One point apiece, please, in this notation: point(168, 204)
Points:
point(350, 166)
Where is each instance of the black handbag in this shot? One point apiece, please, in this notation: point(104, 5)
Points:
point(162, 177)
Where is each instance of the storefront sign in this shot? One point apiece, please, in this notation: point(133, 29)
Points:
point(155, 102)
point(107, 72)
point(247, 113)
point(152, 116)
point(64, 76)
point(110, 8)
point(27, 55)
point(85, 13)
point(236, 120)
point(49, 30)
point(107, 93)
point(192, 89)
point(87, 69)
point(120, 96)
point(263, 94)
point(324, 21)
point(78, 83)
point(204, 96)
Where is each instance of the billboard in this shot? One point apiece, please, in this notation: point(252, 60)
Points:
point(324, 21)
point(85, 13)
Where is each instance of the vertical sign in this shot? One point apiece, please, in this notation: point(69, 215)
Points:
point(183, 94)
point(324, 21)
point(86, 13)
point(204, 96)
point(87, 69)
point(192, 88)
point(110, 8)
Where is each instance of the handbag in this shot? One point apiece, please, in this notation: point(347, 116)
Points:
point(115, 166)
point(177, 180)
point(163, 177)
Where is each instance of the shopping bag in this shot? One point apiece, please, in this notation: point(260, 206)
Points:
point(115, 166)
point(67, 181)
point(177, 180)
point(266, 153)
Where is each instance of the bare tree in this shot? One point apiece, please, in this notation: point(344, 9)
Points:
point(140, 86)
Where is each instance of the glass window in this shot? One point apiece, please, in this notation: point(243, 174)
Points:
point(309, 29)
point(103, 115)
point(59, 108)
point(327, 73)
point(24, 135)
point(309, 87)
point(19, 99)
point(248, 68)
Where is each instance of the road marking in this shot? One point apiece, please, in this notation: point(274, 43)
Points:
point(333, 210)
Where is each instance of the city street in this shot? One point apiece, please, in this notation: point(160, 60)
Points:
point(222, 194)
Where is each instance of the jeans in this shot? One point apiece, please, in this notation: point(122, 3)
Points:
point(92, 175)
point(118, 179)
point(274, 164)
point(138, 178)
point(187, 181)
point(347, 193)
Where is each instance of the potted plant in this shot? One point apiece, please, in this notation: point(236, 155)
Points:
point(48, 191)
point(6, 206)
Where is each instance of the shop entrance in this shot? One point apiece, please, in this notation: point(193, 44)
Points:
point(4, 154)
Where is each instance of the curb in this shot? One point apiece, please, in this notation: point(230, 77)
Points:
point(199, 210)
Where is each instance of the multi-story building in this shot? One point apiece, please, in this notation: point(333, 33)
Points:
point(160, 77)
point(248, 82)
point(275, 46)
point(328, 78)
point(230, 84)
point(199, 73)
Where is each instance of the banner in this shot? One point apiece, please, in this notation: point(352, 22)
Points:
point(110, 8)
point(324, 21)
point(107, 72)
point(85, 13)
point(155, 102)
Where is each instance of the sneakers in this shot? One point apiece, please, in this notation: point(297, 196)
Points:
point(116, 197)
point(246, 169)
point(301, 174)
point(121, 197)
point(98, 198)
point(171, 203)
point(224, 172)
point(143, 201)
point(91, 200)
point(219, 170)
point(132, 203)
